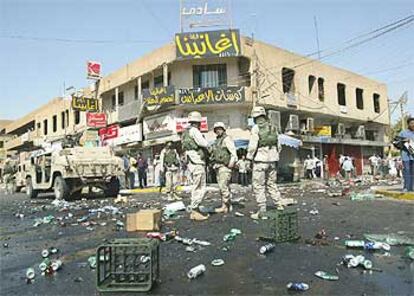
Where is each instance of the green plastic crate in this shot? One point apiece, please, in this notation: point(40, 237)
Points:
point(282, 226)
point(127, 265)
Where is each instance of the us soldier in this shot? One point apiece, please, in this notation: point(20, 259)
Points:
point(263, 151)
point(224, 156)
point(8, 172)
point(170, 163)
point(194, 145)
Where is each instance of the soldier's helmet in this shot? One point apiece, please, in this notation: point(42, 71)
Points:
point(194, 116)
point(219, 124)
point(258, 111)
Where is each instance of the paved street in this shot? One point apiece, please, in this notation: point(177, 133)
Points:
point(244, 271)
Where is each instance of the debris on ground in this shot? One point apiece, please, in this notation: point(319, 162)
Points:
point(266, 248)
point(297, 287)
point(367, 245)
point(217, 262)
point(409, 252)
point(196, 271)
point(364, 196)
point(232, 234)
point(392, 239)
point(326, 276)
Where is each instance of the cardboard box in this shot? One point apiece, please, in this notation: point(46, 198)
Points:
point(144, 220)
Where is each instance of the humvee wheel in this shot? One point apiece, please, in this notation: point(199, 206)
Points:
point(112, 188)
point(30, 192)
point(60, 188)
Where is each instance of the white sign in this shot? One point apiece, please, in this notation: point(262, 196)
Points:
point(158, 126)
point(204, 13)
point(127, 134)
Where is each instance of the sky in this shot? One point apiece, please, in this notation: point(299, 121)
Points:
point(44, 44)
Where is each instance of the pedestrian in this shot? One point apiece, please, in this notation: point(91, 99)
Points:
point(374, 163)
point(242, 164)
point(399, 167)
point(263, 151)
point(157, 170)
point(348, 167)
point(126, 168)
point(392, 167)
point(407, 155)
point(341, 160)
point(308, 166)
point(195, 148)
point(224, 157)
point(142, 166)
point(170, 164)
point(326, 167)
point(317, 167)
point(133, 171)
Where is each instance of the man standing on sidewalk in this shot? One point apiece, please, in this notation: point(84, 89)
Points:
point(170, 163)
point(224, 156)
point(407, 155)
point(195, 148)
point(242, 164)
point(263, 151)
point(142, 166)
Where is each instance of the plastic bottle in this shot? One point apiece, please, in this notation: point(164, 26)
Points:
point(367, 245)
point(326, 276)
point(196, 271)
point(56, 264)
point(297, 286)
point(266, 248)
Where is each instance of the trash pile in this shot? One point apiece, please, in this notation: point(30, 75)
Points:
point(50, 264)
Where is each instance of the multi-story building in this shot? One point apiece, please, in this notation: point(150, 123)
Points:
point(333, 111)
point(46, 124)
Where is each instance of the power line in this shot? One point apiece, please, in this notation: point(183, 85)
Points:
point(71, 40)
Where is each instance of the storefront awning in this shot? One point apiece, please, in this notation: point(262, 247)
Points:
point(283, 139)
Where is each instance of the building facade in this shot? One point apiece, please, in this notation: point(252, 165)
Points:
point(333, 111)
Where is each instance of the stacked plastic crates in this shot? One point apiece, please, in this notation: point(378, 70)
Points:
point(127, 265)
point(282, 226)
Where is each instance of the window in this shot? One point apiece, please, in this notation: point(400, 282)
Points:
point(54, 122)
point(62, 118)
point(341, 94)
point(76, 114)
point(359, 98)
point(311, 81)
point(158, 81)
point(39, 125)
point(376, 98)
point(288, 80)
point(205, 76)
point(45, 127)
point(145, 85)
point(67, 117)
point(121, 98)
point(113, 105)
point(321, 89)
point(136, 92)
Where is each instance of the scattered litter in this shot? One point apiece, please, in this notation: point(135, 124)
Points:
point(232, 235)
point(189, 249)
point(217, 262)
point(321, 234)
point(56, 264)
point(238, 214)
point(196, 271)
point(45, 253)
point(30, 273)
point(409, 252)
point(367, 245)
point(392, 239)
point(314, 212)
point(364, 196)
point(326, 276)
point(92, 262)
point(5, 245)
point(175, 207)
point(266, 248)
point(297, 286)
point(121, 199)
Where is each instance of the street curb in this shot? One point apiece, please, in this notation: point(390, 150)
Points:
point(396, 195)
point(153, 190)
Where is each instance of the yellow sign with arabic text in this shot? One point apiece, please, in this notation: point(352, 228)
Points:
point(85, 104)
point(324, 130)
point(223, 43)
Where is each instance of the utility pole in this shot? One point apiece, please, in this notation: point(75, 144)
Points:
point(317, 36)
point(403, 101)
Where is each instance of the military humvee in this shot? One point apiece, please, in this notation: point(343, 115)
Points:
point(67, 171)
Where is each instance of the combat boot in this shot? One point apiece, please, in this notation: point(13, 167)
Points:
point(197, 216)
point(225, 208)
point(260, 214)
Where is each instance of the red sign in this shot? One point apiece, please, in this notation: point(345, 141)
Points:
point(182, 123)
point(96, 120)
point(110, 132)
point(94, 70)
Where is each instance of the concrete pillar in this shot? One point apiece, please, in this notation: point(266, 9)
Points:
point(117, 99)
point(139, 84)
point(165, 74)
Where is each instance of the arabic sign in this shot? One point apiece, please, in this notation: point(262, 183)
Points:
point(108, 133)
point(324, 130)
point(204, 13)
point(89, 138)
point(85, 104)
point(93, 70)
point(128, 134)
point(223, 95)
point(224, 43)
point(182, 123)
point(158, 96)
point(157, 126)
point(96, 120)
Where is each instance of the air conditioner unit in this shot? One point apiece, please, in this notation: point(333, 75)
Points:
point(360, 133)
point(340, 130)
point(274, 117)
point(293, 123)
point(310, 124)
